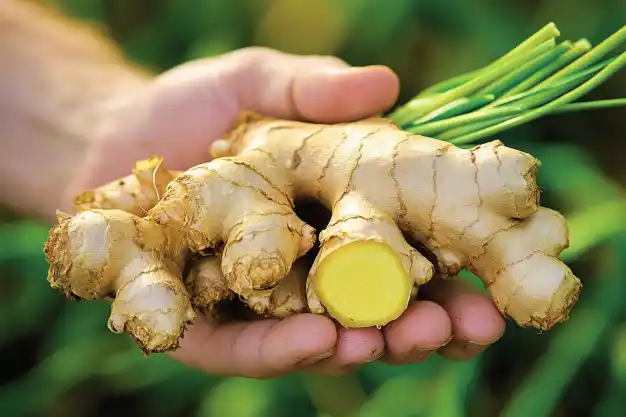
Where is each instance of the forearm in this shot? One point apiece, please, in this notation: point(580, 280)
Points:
point(58, 81)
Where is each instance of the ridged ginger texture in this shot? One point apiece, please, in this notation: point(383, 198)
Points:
point(405, 209)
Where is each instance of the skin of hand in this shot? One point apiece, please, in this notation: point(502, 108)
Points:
point(177, 115)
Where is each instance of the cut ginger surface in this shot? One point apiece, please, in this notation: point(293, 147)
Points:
point(363, 284)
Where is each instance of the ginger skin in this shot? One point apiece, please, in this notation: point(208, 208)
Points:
point(113, 210)
point(136, 193)
point(144, 276)
point(114, 254)
point(476, 209)
point(207, 287)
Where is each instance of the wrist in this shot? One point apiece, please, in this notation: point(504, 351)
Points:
point(60, 83)
point(47, 150)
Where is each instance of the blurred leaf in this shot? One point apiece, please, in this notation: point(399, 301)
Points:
point(335, 396)
point(211, 46)
point(450, 392)
point(378, 372)
point(567, 169)
point(155, 56)
point(66, 368)
point(174, 387)
point(23, 239)
point(239, 397)
point(589, 227)
point(80, 321)
point(374, 34)
point(584, 20)
point(29, 305)
point(29, 297)
point(195, 19)
point(82, 9)
point(315, 27)
point(612, 403)
point(403, 396)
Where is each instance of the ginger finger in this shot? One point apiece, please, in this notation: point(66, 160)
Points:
point(206, 283)
point(103, 253)
point(244, 202)
point(365, 272)
point(286, 299)
point(136, 193)
point(207, 286)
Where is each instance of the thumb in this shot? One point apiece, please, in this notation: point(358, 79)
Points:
point(187, 108)
point(312, 88)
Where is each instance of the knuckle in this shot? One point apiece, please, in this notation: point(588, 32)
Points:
point(328, 60)
point(253, 55)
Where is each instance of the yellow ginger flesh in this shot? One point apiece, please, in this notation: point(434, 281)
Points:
point(476, 209)
point(363, 284)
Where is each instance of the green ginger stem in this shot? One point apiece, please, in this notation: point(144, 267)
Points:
point(535, 79)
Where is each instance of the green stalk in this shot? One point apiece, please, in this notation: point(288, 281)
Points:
point(442, 111)
point(577, 50)
point(534, 79)
point(461, 106)
point(515, 77)
point(544, 34)
point(590, 58)
point(445, 85)
point(575, 94)
point(522, 102)
point(537, 97)
point(471, 86)
point(434, 128)
point(449, 135)
point(591, 105)
point(528, 98)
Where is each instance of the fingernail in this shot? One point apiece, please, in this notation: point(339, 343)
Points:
point(480, 344)
point(378, 356)
point(447, 341)
point(353, 367)
point(315, 359)
point(420, 355)
point(487, 343)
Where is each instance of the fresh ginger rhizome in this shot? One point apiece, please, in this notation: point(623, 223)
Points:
point(479, 209)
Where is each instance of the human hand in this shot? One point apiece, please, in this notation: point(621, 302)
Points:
point(178, 114)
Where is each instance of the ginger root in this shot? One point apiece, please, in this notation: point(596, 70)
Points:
point(207, 287)
point(114, 254)
point(136, 193)
point(93, 271)
point(465, 208)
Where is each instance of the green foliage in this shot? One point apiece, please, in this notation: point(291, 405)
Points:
point(59, 359)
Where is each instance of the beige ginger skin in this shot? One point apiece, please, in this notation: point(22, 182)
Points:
point(476, 209)
point(150, 300)
point(207, 286)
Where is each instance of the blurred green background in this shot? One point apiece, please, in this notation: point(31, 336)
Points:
point(57, 357)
